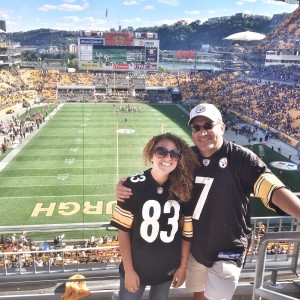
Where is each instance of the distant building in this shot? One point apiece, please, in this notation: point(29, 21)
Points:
point(28, 48)
point(72, 48)
point(287, 57)
point(10, 53)
point(277, 19)
point(2, 25)
point(236, 16)
point(53, 49)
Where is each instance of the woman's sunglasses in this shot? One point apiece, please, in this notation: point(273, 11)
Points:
point(162, 152)
point(206, 126)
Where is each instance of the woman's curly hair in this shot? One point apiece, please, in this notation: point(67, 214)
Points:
point(182, 177)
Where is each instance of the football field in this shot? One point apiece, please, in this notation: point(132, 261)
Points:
point(67, 173)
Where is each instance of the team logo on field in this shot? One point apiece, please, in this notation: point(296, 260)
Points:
point(206, 162)
point(223, 162)
point(126, 131)
point(284, 165)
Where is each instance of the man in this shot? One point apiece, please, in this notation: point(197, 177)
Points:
point(228, 175)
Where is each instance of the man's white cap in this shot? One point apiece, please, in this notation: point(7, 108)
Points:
point(205, 110)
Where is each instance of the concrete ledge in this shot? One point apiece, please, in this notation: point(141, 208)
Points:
point(104, 290)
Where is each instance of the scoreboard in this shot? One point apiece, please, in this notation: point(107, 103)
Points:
point(107, 51)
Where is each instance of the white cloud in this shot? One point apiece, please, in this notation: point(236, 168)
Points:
point(273, 2)
point(11, 24)
point(130, 3)
point(76, 23)
point(169, 2)
point(69, 19)
point(131, 21)
point(64, 7)
point(192, 12)
point(243, 2)
point(149, 7)
point(4, 16)
point(166, 21)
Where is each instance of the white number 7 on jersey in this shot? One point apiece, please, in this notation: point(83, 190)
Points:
point(203, 196)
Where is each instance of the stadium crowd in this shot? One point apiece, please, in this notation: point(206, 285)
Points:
point(265, 95)
point(94, 250)
point(15, 129)
point(285, 36)
point(272, 103)
point(15, 250)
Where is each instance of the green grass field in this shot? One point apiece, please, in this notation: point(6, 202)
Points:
point(68, 171)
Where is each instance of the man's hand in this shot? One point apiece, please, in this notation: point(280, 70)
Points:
point(122, 192)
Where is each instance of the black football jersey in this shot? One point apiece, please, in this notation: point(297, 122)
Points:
point(154, 225)
point(223, 184)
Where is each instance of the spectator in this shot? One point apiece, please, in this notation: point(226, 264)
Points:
point(221, 218)
point(153, 257)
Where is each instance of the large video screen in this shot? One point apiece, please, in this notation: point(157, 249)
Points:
point(118, 54)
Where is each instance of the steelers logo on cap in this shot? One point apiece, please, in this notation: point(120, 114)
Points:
point(200, 109)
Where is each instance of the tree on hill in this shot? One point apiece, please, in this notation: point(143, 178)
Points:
point(172, 37)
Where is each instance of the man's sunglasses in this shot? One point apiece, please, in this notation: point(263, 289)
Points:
point(162, 152)
point(206, 126)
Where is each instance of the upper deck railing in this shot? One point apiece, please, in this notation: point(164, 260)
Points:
point(58, 263)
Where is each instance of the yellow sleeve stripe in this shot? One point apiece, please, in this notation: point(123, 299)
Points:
point(187, 230)
point(122, 217)
point(265, 185)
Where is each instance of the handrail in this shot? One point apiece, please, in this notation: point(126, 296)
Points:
point(259, 291)
point(100, 273)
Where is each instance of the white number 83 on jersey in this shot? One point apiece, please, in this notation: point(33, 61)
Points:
point(150, 228)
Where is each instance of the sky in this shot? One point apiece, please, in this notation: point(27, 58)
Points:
point(25, 15)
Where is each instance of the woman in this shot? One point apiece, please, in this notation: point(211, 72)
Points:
point(152, 243)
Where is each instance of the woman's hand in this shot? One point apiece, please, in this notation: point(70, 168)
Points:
point(132, 281)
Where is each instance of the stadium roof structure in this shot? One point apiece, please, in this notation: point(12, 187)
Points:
point(290, 1)
point(245, 36)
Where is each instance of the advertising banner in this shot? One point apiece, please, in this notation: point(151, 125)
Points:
point(119, 39)
point(185, 54)
point(85, 48)
point(151, 54)
point(150, 67)
point(121, 66)
point(146, 43)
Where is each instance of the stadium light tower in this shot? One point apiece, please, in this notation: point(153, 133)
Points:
point(290, 1)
